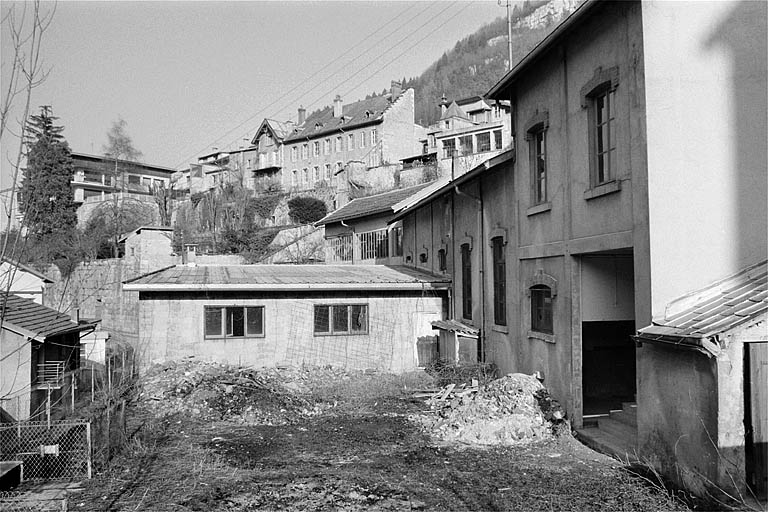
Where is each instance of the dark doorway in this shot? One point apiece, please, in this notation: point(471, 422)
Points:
point(756, 417)
point(608, 377)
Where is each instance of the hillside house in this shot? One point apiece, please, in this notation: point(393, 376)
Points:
point(355, 145)
point(263, 315)
point(269, 161)
point(607, 211)
point(39, 355)
point(22, 280)
point(96, 176)
point(358, 232)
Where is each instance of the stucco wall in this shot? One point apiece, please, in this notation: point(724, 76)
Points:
point(398, 134)
point(705, 68)
point(15, 374)
point(172, 327)
point(21, 282)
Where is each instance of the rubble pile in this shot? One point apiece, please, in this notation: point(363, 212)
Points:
point(515, 409)
point(217, 391)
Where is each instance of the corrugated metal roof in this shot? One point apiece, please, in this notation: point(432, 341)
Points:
point(286, 278)
point(713, 310)
point(370, 205)
point(34, 320)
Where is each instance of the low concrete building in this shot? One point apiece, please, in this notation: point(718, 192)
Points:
point(266, 315)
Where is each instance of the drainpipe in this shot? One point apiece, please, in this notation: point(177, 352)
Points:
point(481, 245)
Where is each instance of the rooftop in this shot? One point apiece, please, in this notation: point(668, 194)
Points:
point(696, 319)
point(26, 268)
point(33, 320)
point(354, 114)
point(371, 205)
point(285, 278)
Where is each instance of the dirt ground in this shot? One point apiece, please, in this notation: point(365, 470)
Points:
point(208, 439)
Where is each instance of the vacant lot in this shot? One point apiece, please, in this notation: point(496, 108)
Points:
point(216, 438)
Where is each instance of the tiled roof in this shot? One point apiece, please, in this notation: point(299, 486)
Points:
point(455, 326)
point(286, 277)
point(34, 320)
point(697, 318)
point(279, 128)
point(370, 205)
point(354, 115)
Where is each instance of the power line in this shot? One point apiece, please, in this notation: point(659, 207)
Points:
point(352, 48)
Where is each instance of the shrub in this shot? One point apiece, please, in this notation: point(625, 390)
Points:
point(306, 209)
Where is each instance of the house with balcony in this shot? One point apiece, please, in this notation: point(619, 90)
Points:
point(469, 131)
point(98, 176)
point(39, 358)
point(617, 254)
point(266, 166)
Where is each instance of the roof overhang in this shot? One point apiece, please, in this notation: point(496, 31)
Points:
point(40, 337)
point(490, 164)
point(288, 287)
point(662, 335)
point(498, 91)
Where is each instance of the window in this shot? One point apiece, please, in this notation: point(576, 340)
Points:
point(374, 244)
point(341, 319)
point(442, 263)
point(304, 151)
point(466, 281)
point(465, 143)
point(305, 177)
point(147, 182)
point(316, 148)
point(604, 136)
point(497, 139)
point(541, 309)
point(362, 139)
point(294, 153)
point(339, 166)
point(134, 180)
point(350, 142)
point(317, 173)
point(483, 142)
point(234, 321)
point(373, 137)
point(327, 147)
point(327, 176)
point(538, 155)
point(499, 281)
point(449, 147)
point(338, 144)
point(397, 237)
point(294, 177)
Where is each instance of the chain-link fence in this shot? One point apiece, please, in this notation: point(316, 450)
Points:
point(59, 450)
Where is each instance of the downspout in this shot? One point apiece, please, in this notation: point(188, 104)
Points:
point(481, 258)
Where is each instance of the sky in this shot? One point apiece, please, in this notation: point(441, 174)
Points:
point(190, 76)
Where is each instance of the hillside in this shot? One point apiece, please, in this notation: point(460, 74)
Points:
point(479, 60)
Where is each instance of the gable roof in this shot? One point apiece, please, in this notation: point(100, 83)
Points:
point(454, 111)
point(371, 205)
point(695, 320)
point(26, 268)
point(280, 130)
point(28, 318)
point(353, 115)
point(309, 278)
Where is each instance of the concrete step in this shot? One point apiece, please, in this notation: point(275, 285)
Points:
point(618, 429)
point(632, 406)
point(590, 420)
point(626, 417)
point(608, 444)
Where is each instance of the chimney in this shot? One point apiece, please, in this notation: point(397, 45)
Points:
point(395, 89)
point(337, 110)
point(302, 115)
point(443, 105)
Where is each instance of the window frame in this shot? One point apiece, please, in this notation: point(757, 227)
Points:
point(498, 255)
point(603, 84)
point(543, 324)
point(466, 280)
point(332, 331)
point(229, 309)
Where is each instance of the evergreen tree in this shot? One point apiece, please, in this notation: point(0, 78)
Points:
point(45, 195)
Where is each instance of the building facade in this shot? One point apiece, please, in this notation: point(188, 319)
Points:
point(607, 210)
point(98, 176)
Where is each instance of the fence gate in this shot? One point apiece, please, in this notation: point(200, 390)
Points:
point(60, 450)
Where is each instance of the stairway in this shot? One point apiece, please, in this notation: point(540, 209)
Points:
point(613, 434)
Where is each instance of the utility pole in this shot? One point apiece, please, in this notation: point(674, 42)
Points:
point(509, 29)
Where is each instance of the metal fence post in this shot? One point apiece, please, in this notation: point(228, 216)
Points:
point(88, 442)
